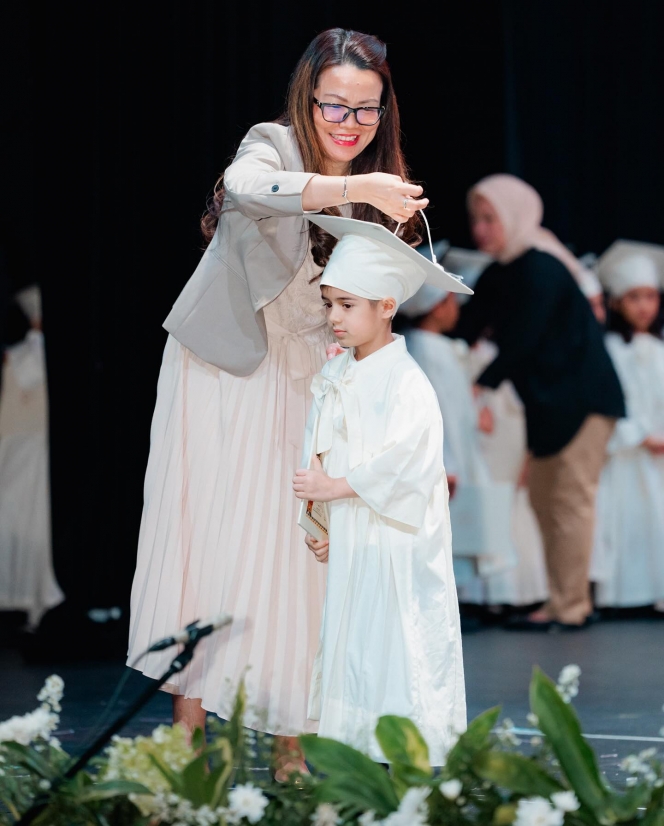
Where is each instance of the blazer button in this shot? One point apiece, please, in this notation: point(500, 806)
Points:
point(275, 188)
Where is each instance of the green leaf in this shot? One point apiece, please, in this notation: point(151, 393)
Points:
point(561, 727)
point(515, 773)
point(26, 756)
point(402, 743)
point(349, 789)
point(112, 788)
point(654, 816)
point(352, 776)
point(194, 785)
point(216, 784)
point(626, 806)
point(198, 739)
point(233, 731)
point(474, 739)
point(174, 780)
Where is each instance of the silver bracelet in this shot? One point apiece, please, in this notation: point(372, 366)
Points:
point(345, 192)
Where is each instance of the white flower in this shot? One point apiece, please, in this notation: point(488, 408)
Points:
point(568, 682)
point(52, 692)
point(565, 801)
point(569, 674)
point(533, 719)
point(247, 801)
point(38, 724)
point(326, 815)
point(536, 811)
point(412, 810)
point(451, 789)
point(535, 741)
point(505, 733)
point(368, 819)
point(44, 785)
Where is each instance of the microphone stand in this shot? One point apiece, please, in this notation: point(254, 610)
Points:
point(179, 663)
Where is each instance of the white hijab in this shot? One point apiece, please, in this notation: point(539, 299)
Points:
point(520, 210)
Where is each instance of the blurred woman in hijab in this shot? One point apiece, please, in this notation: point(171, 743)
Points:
point(550, 346)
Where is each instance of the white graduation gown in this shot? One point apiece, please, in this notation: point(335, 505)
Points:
point(390, 635)
point(27, 579)
point(489, 549)
point(628, 558)
point(504, 451)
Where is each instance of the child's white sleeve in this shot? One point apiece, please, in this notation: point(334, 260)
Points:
point(398, 481)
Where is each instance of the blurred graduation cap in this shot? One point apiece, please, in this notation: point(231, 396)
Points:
point(629, 264)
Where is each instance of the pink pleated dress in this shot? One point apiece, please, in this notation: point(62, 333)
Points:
point(219, 530)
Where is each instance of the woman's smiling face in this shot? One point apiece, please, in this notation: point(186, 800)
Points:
point(349, 86)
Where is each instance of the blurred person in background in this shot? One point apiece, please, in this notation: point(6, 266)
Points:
point(504, 449)
point(591, 287)
point(550, 346)
point(429, 315)
point(628, 559)
point(27, 580)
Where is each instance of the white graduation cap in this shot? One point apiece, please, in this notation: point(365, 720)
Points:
point(630, 264)
point(371, 262)
point(469, 264)
point(589, 283)
point(424, 300)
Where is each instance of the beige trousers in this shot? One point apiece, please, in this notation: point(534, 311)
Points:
point(562, 490)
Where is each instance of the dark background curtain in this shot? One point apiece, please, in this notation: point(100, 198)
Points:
point(119, 119)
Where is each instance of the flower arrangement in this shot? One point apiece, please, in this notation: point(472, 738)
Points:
point(490, 778)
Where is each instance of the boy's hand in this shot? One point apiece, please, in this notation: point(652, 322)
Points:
point(319, 547)
point(314, 484)
point(653, 444)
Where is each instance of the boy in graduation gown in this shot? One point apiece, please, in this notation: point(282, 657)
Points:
point(390, 636)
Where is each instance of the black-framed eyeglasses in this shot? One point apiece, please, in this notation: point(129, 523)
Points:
point(337, 113)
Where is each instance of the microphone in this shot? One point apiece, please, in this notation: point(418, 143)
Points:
point(192, 632)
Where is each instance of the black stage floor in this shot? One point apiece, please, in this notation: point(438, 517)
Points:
point(620, 699)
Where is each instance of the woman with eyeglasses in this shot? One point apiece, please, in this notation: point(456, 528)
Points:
point(219, 531)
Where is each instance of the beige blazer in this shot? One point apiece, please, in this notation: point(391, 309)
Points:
point(260, 244)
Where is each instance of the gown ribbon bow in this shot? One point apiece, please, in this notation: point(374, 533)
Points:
point(326, 389)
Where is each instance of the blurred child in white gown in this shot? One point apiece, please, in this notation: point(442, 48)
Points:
point(480, 555)
point(505, 452)
point(628, 561)
point(27, 581)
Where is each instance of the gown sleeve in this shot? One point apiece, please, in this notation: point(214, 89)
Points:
point(256, 182)
point(398, 481)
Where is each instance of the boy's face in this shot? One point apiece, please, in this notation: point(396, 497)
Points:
point(356, 321)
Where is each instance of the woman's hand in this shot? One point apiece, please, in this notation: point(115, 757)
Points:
point(388, 193)
point(320, 548)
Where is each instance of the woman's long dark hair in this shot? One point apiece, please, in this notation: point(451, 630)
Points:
point(337, 47)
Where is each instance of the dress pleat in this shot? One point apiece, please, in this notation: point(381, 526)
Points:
point(219, 531)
